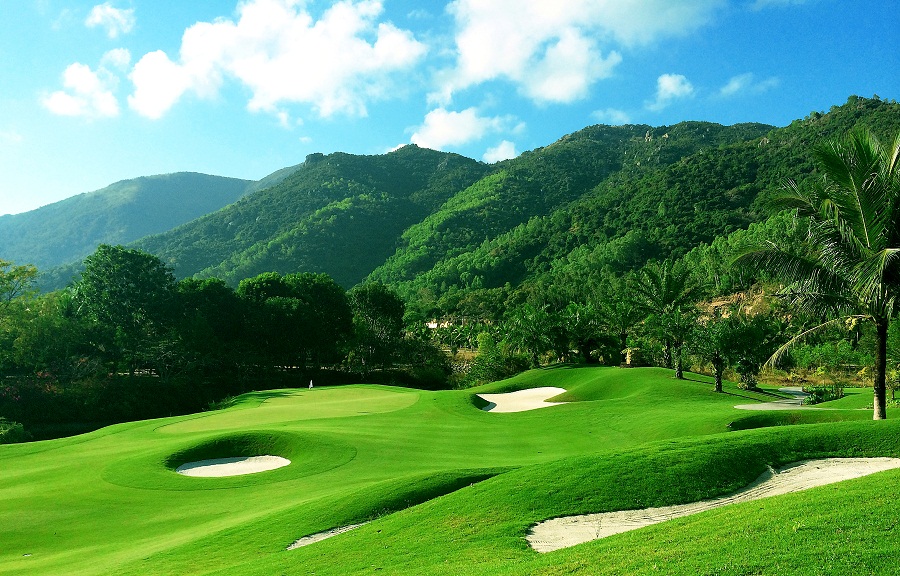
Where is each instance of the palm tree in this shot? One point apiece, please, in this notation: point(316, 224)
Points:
point(852, 269)
point(667, 293)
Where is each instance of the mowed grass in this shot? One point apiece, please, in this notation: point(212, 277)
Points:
point(451, 489)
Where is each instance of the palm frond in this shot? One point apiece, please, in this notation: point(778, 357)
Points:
point(782, 350)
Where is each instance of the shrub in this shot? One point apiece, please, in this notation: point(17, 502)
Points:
point(819, 394)
point(12, 432)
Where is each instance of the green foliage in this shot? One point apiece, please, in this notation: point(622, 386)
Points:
point(819, 394)
point(378, 324)
point(851, 271)
point(493, 362)
point(69, 230)
point(339, 214)
point(12, 432)
point(128, 294)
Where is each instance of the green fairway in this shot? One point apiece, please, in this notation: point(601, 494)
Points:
point(452, 489)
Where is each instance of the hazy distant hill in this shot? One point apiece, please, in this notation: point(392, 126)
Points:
point(118, 214)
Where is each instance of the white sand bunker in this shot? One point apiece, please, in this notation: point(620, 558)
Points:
point(221, 467)
point(522, 400)
point(564, 532)
point(319, 536)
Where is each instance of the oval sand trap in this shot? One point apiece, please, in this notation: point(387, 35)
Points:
point(522, 400)
point(221, 467)
point(564, 532)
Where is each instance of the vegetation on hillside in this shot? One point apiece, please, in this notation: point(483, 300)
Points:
point(69, 230)
point(520, 264)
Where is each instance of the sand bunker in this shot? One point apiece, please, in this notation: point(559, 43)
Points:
point(319, 536)
point(564, 532)
point(220, 467)
point(522, 400)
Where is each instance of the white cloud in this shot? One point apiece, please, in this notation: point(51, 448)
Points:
point(444, 128)
point(502, 151)
point(744, 83)
point(612, 116)
point(555, 51)
point(276, 49)
point(87, 93)
point(116, 21)
point(670, 87)
point(117, 58)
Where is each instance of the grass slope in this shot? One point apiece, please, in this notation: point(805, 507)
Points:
point(452, 489)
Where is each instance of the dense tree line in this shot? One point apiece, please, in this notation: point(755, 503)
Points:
point(127, 340)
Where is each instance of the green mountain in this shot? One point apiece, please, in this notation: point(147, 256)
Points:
point(676, 187)
point(341, 214)
point(118, 214)
point(535, 185)
point(430, 222)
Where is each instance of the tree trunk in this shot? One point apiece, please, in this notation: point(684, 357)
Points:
point(880, 399)
point(717, 367)
point(667, 355)
point(679, 369)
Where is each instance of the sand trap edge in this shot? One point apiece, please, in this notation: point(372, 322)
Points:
point(563, 532)
point(225, 467)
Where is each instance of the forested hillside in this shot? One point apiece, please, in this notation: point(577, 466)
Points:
point(118, 214)
point(429, 223)
point(341, 214)
point(677, 187)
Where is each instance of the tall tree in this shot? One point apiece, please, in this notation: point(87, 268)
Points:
point(667, 292)
point(619, 311)
point(129, 293)
point(378, 322)
point(852, 269)
point(297, 317)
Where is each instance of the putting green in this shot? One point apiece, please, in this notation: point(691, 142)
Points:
point(284, 406)
point(451, 488)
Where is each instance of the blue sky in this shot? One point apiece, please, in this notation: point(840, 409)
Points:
point(95, 92)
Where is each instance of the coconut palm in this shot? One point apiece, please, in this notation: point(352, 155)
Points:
point(852, 268)
point(667, 293)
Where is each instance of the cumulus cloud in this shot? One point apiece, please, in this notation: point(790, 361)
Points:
point(670, 87)
point(87, 93)
point(555, 51)
point(612, 116)
point(444, 128)
point(502, 151)
point(282, 55)
point(116, 21)
point(744, 83)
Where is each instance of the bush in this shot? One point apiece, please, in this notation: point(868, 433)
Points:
point(819, 394)
point(494, 362)
point(12, 432)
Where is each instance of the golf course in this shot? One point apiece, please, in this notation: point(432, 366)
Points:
point(439, 485)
